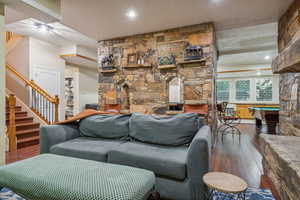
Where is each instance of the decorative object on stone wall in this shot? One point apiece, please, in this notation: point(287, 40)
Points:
point(135, 60)
point(107, 62)
point(132, 59)
point(192, 52)
point(166, 60)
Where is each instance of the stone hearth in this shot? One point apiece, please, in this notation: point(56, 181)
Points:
point(282, 163)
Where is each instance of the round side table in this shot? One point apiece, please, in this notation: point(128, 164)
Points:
point(226, 183)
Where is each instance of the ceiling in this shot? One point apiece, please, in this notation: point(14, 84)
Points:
point(61, 35)
point(246, 30)
point(247, 45)
point(104, 19)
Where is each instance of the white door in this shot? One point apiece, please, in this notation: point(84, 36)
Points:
point(48, 80)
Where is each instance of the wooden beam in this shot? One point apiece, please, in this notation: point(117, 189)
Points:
point(66, 56)
point(288, 60)
point(248, 50)
point(244, 70)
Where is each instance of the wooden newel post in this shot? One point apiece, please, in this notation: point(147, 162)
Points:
point(56, 108)
point(12, 123)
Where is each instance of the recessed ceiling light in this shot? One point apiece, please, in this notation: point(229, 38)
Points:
point(258, 73)
point(131, 14)
point(216, 1)
point(267, 57)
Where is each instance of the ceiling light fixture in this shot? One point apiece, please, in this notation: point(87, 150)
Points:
point(131, 14)
point(267, 57)
point(43, 27)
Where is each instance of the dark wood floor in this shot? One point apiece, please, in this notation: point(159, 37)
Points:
point(242, 158)
point(238, 158)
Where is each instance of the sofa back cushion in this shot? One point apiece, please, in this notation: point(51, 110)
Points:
point(171, 130)
point(105, 126)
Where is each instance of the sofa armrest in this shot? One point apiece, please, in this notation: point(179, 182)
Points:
point(54, 134)
point(198, 160)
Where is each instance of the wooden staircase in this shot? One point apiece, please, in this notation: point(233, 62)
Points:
point(27, 131)
point(22, 130)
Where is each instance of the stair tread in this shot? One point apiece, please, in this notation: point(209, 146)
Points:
point(27, 131)
point(28, 124)
point(20, 118)
point(28, 139)
point(17, 107)
point(17, 112)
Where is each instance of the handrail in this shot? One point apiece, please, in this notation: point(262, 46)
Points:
point(31, 84)
point(42, 103)
point(12, 136)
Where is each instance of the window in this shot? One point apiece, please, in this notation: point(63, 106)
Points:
point(223, 91)
point(264, 90)
point(242, 90)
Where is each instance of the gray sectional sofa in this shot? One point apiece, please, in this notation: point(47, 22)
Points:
point(176, 149)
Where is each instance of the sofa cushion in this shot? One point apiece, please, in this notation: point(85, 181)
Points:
point(171, 130)
point(165, 161)
point(86, 148)
point(105, 126)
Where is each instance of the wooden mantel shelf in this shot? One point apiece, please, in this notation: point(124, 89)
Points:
point(137, 65)
point(288, 60)
point(203, 60)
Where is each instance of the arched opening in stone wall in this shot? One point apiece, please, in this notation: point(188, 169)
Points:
point(174, 88)
point(125, 97)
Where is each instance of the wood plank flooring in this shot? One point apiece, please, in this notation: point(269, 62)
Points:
point(242, 158)
point(238, 158)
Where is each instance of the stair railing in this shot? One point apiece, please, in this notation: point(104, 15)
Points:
point(41, 103)
point(11, 126)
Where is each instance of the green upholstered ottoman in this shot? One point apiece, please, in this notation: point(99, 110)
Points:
point(51, 177)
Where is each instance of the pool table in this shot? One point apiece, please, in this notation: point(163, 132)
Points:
point(268, 114)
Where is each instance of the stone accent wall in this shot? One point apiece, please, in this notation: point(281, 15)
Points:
point(289, 26)
point(144, 87)
point(290, 104)
point(282, 163)
point(289, 33)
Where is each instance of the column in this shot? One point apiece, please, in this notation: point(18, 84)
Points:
point(2, 85)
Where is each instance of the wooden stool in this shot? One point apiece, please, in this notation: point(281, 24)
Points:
point(226, 183)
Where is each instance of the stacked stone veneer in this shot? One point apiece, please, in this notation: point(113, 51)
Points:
point(289, 32)
point(147, 87)
point(282, 163)
point(282, 153)
point(290, 104)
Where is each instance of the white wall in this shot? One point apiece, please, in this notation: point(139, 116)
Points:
point(2, 86)
point(88, 86)
point(18, 58)
point(46, 56)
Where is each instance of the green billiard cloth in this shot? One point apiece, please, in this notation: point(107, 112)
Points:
point(53, 177)
point(265, 108)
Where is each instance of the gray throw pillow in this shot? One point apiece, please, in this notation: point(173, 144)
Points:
point(105, 126)
point(171, 130)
